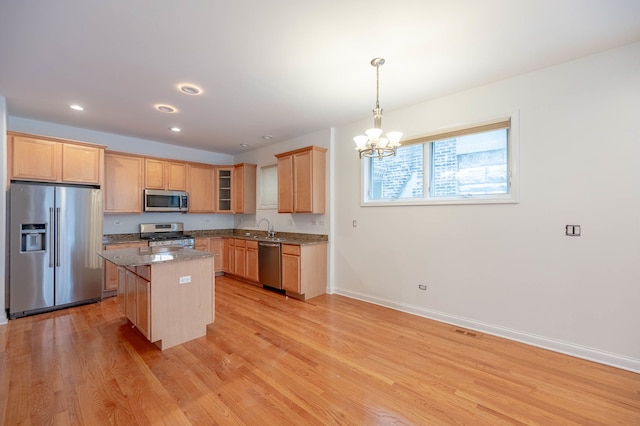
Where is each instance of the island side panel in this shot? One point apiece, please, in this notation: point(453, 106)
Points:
point(181, 312)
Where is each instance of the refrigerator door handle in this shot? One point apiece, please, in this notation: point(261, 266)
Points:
point(57, 236)
point(50, 236)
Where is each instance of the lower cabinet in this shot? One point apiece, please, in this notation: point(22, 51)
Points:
point(251, 261)
point(134, 296)
point(215, 246)
point(304, 270)
point(110, 271)
point(240, 258)
point(174, 311)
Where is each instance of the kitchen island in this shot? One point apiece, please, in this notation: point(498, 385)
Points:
point(166, 292)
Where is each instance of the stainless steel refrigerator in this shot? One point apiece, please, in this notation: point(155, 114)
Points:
point(55, 232)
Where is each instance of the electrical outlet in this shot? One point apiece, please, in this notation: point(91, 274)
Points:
point(572, 230)
point(422, 286)
point(116, 222)
point(186, 279)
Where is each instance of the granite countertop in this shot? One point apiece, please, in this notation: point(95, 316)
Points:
point(281, 237)
point(151, 255)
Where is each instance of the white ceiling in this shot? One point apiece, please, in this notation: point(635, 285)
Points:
point(276, 67)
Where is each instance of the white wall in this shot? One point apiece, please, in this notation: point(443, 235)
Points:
point(284, 222)
point(509, 269)
point(129, 223)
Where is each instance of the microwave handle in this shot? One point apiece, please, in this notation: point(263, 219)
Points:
point(184, 203)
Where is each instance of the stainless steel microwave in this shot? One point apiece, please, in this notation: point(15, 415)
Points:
point(165, 201)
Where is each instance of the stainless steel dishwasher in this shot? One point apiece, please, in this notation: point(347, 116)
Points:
point(269, 272)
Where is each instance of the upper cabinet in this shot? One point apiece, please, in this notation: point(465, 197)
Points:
point(165, 174)
point(301, 180)
point(224, 180)
point(244, 188)
point(123, 183)
point(201, 188)
point(38, 158)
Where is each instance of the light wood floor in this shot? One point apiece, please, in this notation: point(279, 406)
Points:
point(269, 360)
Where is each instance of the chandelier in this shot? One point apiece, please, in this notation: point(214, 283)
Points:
point(372, 143)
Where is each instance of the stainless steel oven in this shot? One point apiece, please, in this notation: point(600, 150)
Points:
point(166, 234)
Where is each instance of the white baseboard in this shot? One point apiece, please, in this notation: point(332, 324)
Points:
point(591, 354)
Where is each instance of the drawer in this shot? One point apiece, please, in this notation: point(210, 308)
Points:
point(240, 243)
point(291, 249)
point(252, 245)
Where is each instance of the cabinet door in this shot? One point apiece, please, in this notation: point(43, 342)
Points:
point(154, 173)
point(176, 176)
point(225, 188)
point(240, 253)
point(229, 256)
point(244, 188)
point(111, 270)
point(216, 246)
point(35, 159)
point(82, 164)
point(143, 306)
point(130, 295)
point(122, 288)
point(110, 276)
point(123, 183)
point(291, 273)
point(252, 261)
point(201, 188)
point(302, 183)
point(285, 184)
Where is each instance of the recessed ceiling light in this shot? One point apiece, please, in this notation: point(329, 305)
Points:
point(190, 89)
point(267, 137)
point(175, 129)
point(165, 108)
point(244, 145)
point(76, 107)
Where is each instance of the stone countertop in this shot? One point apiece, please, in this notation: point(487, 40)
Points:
point(151, 255)
point(281, 237)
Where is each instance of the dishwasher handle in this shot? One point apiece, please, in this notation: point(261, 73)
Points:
point(269, 244)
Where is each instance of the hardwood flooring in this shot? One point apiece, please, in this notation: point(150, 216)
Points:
point(270, 360)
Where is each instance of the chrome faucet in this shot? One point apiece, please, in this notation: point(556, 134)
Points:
point(271, 233)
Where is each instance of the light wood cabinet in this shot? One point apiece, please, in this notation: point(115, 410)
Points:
point(244, 188)
point(134, 289)
point(201, 188)
point(216, 247)
point(143, 305)
point(304, 270)
point(121, 273)
point(240, 258)
point(123, 183)
point(239, 254)
point(130, 306)
point(38, 158)
point(251, 261)
point(224, 181)
point(302, 180)
point(228, 260)
point(110, 270)
point(165, 174)
point(165, 311)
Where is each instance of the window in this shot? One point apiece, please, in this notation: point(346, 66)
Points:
point(474, 164)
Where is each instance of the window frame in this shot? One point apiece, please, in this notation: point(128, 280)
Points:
point(511, 197)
